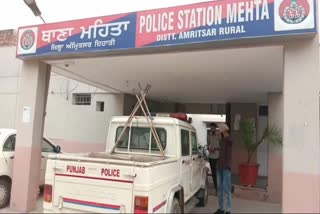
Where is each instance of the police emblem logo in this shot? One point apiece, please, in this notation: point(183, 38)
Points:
point(27, 39)
point(294, 11)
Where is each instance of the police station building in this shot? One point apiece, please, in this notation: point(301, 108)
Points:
point(235, 53)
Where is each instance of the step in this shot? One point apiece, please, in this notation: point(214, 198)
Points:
point(250, 193)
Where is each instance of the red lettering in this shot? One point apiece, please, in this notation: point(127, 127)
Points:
point(110, 172)
point(76, 169)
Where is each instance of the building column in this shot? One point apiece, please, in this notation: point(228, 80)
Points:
point(301, 150)
point(275, 119)
point(31, 112)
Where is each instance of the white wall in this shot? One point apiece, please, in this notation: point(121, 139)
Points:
point(80, 123)
point(201, 128)
point(64, 121)
point(199, 122)
point(9, 84)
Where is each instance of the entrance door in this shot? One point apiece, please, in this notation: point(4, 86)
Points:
point(186, 163)
point(196, 161)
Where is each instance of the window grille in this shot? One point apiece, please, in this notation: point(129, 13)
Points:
point(81, 99)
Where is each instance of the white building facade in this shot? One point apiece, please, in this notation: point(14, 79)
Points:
point(77, 116)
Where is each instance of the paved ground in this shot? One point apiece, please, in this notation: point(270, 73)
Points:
point(239, 206)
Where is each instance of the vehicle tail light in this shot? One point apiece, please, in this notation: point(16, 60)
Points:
point(47, 194)
point(141, 204)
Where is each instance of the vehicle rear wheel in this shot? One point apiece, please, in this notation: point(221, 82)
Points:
point(5, 190)
point(203, 195)
point(175, 206)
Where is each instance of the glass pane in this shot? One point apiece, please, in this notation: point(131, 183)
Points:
point(140, 138)
point(163, 139)
point(9, 145)
point(185, 144)
point(194, 143)
point(124, 140)
point(47, 147)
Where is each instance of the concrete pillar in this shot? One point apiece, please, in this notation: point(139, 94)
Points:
point(275, 119)
point(301, 151)
point(27, 161)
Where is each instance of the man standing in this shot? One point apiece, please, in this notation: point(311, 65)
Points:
point(213, 153)
point(224, 170)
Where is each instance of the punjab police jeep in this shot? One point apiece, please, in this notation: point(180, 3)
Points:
point(135, 178)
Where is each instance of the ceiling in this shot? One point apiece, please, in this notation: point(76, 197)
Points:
point(209, 76)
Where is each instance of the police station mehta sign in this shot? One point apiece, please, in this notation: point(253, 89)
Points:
point(203, 22)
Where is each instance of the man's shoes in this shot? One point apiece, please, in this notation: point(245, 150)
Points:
point(219, 212)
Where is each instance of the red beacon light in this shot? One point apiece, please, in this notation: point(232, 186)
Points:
point(180, 116)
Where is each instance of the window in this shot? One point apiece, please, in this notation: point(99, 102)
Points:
point(125, 138)
point(140, 138)
point(185, 143)
point(194, 143)
point(81, 99)
point(47, 147)
point(10, 144)
point(263, 111)
point(162, 134)
point(100, 106)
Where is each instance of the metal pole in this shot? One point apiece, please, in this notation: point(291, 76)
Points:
point(42, 19)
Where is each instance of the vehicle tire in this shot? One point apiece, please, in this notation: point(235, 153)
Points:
point(5, 191)
point(175, 206)
point(203, 195)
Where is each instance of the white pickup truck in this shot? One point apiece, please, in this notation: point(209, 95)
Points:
point(133, 179)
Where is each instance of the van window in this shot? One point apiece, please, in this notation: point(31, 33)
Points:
point(10, 144)
point(140, 138)
point(47, 147)
point(162, 134)
point(185, 143)
point(194, 143)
